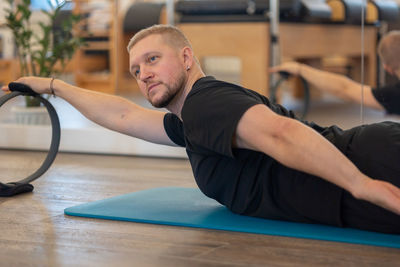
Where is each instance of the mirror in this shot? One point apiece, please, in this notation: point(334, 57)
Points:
point(232, 42)
point(385, 93)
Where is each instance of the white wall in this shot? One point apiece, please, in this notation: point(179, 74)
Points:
point(5, 34)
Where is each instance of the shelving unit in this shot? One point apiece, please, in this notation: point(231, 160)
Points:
point(103, 65)
point(8, 70)
point(249, 41)
point(95, 65)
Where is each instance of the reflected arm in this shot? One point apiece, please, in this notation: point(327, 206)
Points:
point(335, 84)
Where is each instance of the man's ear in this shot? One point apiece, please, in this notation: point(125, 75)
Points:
point(187, 57)
point(388, 69)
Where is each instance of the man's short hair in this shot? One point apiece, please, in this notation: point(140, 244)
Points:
point(389, 50)
point(171, 35)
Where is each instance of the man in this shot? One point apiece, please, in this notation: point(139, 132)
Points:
point(249, 154)
point(386, 98)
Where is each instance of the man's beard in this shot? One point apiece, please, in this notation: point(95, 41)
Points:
point(170, 94)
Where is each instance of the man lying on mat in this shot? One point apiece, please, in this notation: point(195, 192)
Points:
point(251, 155)
point(386, 98)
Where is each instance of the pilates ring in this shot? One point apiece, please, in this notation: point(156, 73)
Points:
point(284, 76)
point(23, 186)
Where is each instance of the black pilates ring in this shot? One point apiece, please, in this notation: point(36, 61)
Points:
point(23, 186)
point(306, 101)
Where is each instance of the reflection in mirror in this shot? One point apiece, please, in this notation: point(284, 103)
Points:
point(382, 96)
point(348, 64)
point(387, 92)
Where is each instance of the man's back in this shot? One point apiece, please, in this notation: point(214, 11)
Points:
point(246, 181)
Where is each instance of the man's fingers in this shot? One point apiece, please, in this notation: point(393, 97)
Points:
point(274, 69)
point(382, 194)
point(390, 197)
point(395, 197)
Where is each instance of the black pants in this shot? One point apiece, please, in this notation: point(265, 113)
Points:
point(375, 150)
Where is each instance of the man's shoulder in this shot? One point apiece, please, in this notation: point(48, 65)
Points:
point(387, 91)
point(389, 97)
point(210, 82)
point(218, 100)
point(388, 87)
point(210, 88)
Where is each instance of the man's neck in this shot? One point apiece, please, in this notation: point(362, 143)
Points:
point(177, 103)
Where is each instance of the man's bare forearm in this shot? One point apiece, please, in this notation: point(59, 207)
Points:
point(113, 112)
point(304, 149)
point(297, 146)
point(333, 83)
point(106, 110)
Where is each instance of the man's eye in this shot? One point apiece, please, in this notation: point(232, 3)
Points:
point(153, 58)
point(136, 73)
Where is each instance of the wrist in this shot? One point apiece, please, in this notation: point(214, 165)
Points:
point(299, 68)
point(55, 85)
point(359, 187)
point(51, 87)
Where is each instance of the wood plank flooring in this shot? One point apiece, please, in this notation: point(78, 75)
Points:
point(35, 232)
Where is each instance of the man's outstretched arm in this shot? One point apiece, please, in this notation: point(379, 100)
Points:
point(299, 147)
point(335, 84)
point(113, 112)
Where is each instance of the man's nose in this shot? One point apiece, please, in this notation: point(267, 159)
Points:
point(145, 74)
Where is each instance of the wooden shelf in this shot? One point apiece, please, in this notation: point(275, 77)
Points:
point(94, 77)
point(98, 45)
point(249, 41)
point(8, 70)
point(100, 34)
point(95, 62)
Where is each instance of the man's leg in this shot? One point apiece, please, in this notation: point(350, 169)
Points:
point(375, 149)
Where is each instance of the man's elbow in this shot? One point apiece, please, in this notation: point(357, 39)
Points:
point(283, 126)
point(287, 132)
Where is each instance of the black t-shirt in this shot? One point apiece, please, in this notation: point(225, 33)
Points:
point(246, 181)
point(389, 97)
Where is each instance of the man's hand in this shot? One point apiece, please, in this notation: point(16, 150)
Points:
point(380, 193)
point(38, 84)
point(291, 67)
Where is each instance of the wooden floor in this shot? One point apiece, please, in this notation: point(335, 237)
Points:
point(35, 231)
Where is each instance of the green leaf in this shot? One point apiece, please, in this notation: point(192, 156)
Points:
point(46, 48)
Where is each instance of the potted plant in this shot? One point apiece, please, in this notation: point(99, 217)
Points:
point(44, 52)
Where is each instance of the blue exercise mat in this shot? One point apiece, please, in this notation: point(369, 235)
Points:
point(189, 207)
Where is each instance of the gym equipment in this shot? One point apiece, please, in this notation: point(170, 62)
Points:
point(23, 186)
point(190, 208)
point(249, 10)
point(382, 10)
point(274, 89)
point(347, 11)
point(141, 15)
point(315, 10)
